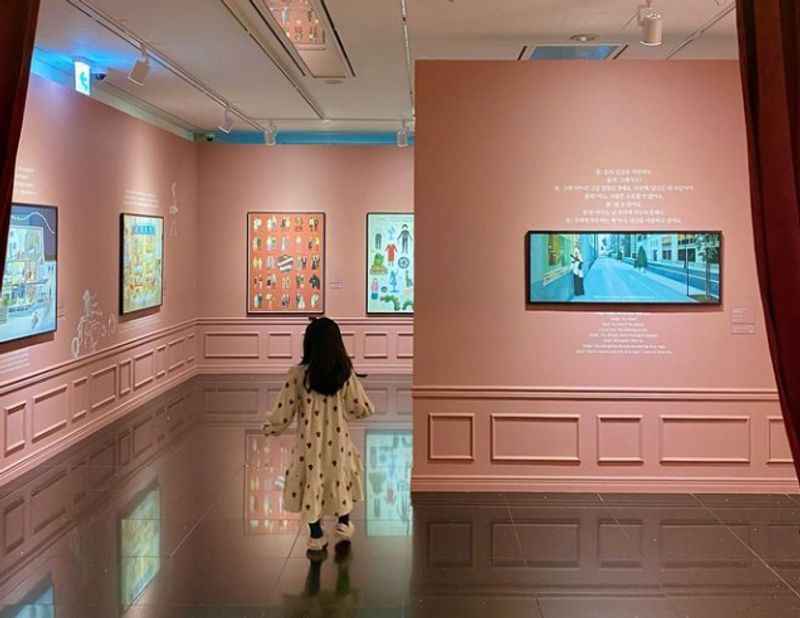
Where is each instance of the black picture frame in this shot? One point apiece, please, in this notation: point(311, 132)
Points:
point(397, 314)
point(323, 271)
point(151, 308)
point(54, 209)
point(620, 303)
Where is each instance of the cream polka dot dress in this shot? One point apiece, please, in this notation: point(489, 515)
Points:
point(325, 475)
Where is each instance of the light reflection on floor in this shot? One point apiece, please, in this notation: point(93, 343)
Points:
point(176, 511)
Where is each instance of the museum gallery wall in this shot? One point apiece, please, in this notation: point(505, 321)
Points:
point(70, 357)
point(576, 396)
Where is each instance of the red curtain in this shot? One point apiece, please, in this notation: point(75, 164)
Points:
point(17, 33)
point(769, 52)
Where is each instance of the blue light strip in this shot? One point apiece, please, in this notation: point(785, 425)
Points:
point(333, 138)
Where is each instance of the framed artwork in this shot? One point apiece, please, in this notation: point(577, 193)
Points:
point(38, 602)
point(656, 268)
point(285, 262)
point(141, 262)
point(390, 263)
point(30, 279)
point(139, 545)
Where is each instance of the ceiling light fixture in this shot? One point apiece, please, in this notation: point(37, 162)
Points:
point(583, 38)
point(227, 122)
point(141, 69)
point(402, 135)
point(271, 134)
point(651, 21)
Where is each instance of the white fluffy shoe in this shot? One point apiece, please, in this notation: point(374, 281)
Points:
point(345, 532)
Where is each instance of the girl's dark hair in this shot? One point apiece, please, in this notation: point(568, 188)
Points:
point(328, 366)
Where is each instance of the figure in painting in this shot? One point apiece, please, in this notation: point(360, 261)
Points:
point(405, 239)
point(577, 271)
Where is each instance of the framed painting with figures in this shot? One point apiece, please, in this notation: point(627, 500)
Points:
point(285, 263)
point(390, 263)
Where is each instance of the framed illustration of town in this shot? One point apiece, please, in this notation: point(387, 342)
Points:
point(390, 263)
point(285, 263)
point(141, 262)
point(29, 291)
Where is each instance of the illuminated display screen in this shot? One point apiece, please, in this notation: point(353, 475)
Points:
point(678, 268)
point(389, 459)
point(28, 301)
point(140, 547)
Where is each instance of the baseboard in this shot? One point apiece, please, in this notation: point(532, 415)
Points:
point(494, 483)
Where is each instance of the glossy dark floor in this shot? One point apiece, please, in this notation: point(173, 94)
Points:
point(175, 512)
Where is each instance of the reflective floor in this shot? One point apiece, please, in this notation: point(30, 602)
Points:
point(175, 511)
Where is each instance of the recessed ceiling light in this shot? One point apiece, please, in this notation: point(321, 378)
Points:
point(583, 38)
point(333, 82)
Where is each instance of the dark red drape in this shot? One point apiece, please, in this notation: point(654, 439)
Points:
point(769, 52)
point(17, 33)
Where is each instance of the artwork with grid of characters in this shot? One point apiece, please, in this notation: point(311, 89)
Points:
point(285, 262)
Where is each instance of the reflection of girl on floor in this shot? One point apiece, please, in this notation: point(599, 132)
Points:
point(577, 271)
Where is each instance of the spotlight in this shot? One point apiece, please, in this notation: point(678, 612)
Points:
point(271, 134)
point(141, 69)
point(227, 123)
point(402, 135)
point(652, 23)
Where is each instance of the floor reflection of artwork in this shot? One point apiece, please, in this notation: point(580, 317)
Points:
point(389, 458)
point(28, 301)
point(142, 262)
point(140, 547)
point(390, 262)
point(266, 463)
point(38, 603)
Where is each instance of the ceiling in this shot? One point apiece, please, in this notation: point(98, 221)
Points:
point(207, 54)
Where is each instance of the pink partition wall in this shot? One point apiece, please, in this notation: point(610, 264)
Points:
point(508, 396)
point(93, 163)
point(343, 182)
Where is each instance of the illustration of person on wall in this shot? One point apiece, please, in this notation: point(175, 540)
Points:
point(272, 223)
point(391, 254)
point(304, 262)
point(393, 281)
point(405, 238)
point(577, 272)
point(315, 298)
point(298, 224)
point(285, 301)
point(313, 224)
point(378, 241)
point(300, 301)
point(300, 281)
point(374, 287)
point(314, 262)
point(315, 282)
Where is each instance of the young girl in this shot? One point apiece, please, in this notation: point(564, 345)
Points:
point(324, 393)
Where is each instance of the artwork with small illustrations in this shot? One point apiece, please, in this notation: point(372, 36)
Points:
point(390, 263)
point(285, 262)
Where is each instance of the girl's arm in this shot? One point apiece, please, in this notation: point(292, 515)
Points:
point(284, 408)
point(357, 404)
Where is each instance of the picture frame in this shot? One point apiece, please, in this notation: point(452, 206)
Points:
point(379, 293)
point(286, 263)
point(33, 233)
point(664, 279)
point(127, 306)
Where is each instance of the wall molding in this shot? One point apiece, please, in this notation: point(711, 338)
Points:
point(666, 419)
point(638, 420)
point(432, 418)
point(303, 321)
point(599, 484)
point(31, 460)
point(620, 393)
point(55, 370)
point(534, 418)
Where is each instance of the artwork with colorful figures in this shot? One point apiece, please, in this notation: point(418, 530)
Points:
point(390, 263)
point(285, 262)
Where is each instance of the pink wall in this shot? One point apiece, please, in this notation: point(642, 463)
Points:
point(89, 160)
point(343, 182)
point(506, 395)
